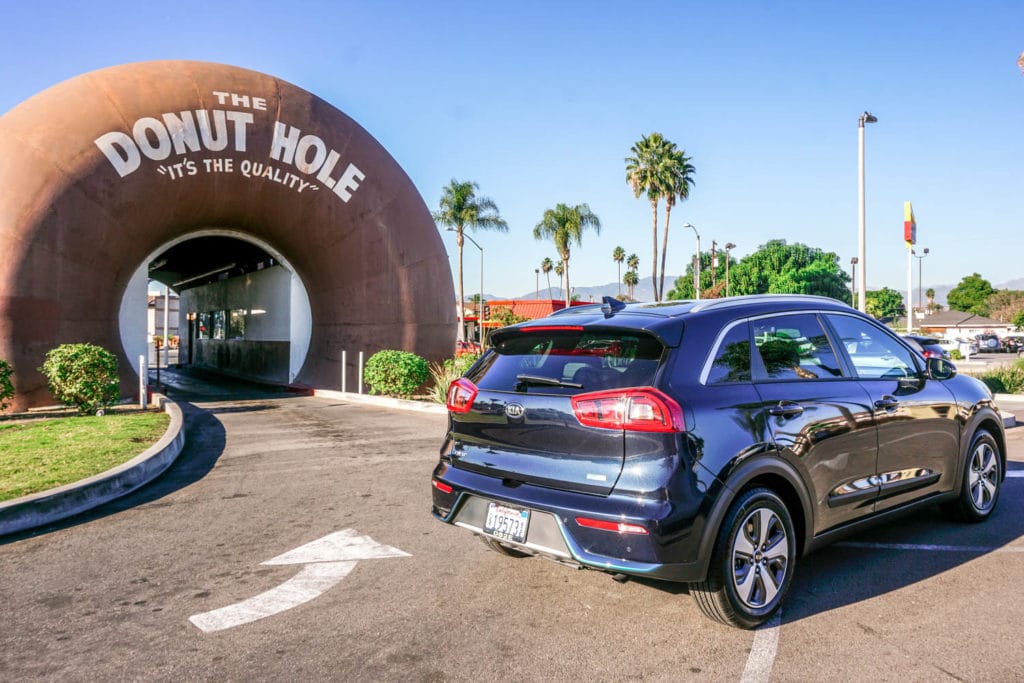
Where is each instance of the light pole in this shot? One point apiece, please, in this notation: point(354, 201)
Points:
point(920, 299)
point(729, 246)
point(537, 273)
point(853, 280)
point(696, 268)
point(866, 117)
point(480, 303)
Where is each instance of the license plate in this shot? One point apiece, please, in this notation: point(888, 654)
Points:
point(508, 524)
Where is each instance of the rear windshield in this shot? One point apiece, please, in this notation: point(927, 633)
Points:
point(569, 362)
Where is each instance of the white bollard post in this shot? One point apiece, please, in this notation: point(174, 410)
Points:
point(143, 377)
point(360, 372)
point(344, 370)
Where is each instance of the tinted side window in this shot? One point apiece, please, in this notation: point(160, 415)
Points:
point(875, 353)
point(569, 362)
point(732, 360)
point(795, 347)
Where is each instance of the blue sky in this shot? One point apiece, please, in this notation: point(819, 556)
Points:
point(539, 102)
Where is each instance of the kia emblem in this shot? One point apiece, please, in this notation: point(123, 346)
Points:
point(515, 410)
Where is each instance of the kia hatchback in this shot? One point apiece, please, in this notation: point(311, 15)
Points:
point(712, 442)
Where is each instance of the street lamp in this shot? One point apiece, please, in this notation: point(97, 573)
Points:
point(696, 269)
point(480, 304)
point(728, 247)
point(866, 117)
point(853, 279)
point(537, 273)
point(920, 299)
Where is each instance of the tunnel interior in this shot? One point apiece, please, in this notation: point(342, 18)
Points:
point(241, 309)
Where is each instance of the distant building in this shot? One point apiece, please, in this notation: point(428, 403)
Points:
point(953, 324)
point(155, 316)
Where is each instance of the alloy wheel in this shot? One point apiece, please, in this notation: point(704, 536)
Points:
point(983, 476)
point(760, 558)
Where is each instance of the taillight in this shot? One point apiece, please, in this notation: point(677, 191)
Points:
point(620, 527)
point(461, 394)
point(639, 409)
point(441, 486)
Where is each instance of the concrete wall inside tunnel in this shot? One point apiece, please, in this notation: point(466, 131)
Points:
point(103, 169)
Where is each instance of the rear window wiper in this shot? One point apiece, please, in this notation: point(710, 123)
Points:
point(540, 380)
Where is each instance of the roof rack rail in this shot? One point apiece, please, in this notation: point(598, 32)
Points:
point(727, 302)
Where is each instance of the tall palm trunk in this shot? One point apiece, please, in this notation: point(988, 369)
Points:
point(565, 275)
point(654, 261)
point(548, 276)
point(664, 248)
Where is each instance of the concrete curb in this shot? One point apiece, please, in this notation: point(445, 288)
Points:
point(53, 505)
point(382, 401)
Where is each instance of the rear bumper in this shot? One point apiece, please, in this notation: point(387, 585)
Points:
point(669, 551)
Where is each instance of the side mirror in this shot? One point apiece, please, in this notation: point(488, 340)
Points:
point(940, 369)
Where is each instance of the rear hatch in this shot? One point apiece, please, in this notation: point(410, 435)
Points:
point(521, 424)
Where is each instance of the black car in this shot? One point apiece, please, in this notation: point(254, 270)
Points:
point(926, 346)
point(709, 442)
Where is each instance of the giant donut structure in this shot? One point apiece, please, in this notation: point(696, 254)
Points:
point(99, 171)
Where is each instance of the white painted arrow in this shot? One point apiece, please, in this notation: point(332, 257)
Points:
point(328, 559)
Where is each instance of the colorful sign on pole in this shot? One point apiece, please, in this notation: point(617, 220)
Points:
point(909, 225)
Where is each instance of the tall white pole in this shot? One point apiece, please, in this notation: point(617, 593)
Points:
point(696, 275)
point(861, 230)
point(167, 310)
point(910, 289)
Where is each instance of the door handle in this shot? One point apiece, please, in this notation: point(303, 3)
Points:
point(786, 409)
point(886, 403)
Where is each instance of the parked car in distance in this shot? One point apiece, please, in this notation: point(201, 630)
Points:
point(964, 346)
point(988, 343)
point(713, 442)
point(928, 347)
point(1013, 343)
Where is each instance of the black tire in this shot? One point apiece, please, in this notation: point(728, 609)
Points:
point(499, 547)
point(745, 583)
point(982, 481)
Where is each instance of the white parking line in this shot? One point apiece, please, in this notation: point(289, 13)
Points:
point(934, 548)
point(1015, 474)
point(762, 651)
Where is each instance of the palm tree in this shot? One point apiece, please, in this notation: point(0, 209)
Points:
point(461, 208)
point(564, 225)
point(678, 182)
point(630, 279)
point(647, 173)
point(559, 271)
point(633, 262)
point(545, 267)
point(619, 255)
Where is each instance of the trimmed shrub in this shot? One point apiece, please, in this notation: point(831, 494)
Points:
point(956, 354)
point(1005, 380)
point(395, 373)
point(6, 386)
point(447, 372)
point(82, 375)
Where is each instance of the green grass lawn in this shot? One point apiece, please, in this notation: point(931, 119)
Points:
point(37, 455)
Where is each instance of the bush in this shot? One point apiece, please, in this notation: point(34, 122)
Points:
point(6, 386)
point(395, 373)
point(955, 354)
point(1008, 379)
point(82, 375)
point(447, 372)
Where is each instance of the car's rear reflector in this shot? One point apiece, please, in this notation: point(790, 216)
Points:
point(639, 409)
point(461, 394)
point(620, 527)
point(441, 486)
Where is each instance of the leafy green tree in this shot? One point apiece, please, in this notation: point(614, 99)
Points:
point(971, 295)
point(564, 225)
point(546, 266)
point(1004, 304)
point(619, 255)
point(777, 268)
point(82, 375)
point(678, 180)
point(649, 173)
point(712, 281)
point(1018, 321)
point(633, 263)
point(884, 303)
point(461, 208)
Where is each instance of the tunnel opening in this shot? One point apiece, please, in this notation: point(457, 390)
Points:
point(242, 310)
